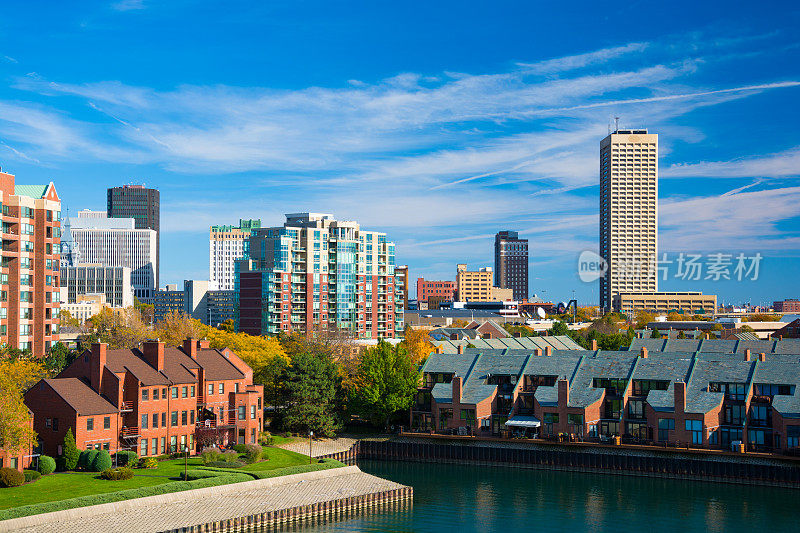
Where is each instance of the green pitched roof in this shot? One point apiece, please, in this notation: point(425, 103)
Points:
point(32, 191)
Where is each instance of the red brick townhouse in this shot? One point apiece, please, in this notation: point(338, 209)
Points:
point(705, 399)
point(153, 400)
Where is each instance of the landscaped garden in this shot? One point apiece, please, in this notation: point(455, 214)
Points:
point(65, 490)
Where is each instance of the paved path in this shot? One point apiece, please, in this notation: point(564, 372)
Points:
point(320, 447)
point(200, 506)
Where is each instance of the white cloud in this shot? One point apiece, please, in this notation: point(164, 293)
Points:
point(778, 165)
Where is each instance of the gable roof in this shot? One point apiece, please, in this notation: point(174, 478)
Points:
point(80, 396)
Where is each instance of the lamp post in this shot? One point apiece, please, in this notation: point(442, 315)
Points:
point(185, 462)
point(310, 439)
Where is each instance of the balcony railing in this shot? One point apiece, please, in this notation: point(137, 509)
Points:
point(126, 407)
point(128, 432)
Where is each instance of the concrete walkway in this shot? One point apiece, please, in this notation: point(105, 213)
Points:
point(320, 447)
point(200, 506)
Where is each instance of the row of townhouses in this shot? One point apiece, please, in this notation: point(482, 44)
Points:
point(719, 395)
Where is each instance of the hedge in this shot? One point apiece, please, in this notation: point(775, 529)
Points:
point(86, 458)
point(31, 475)
point(126, 458)
point(128, 494)
point(121, 473)
point(47, 465)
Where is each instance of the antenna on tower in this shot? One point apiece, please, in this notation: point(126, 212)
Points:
point(616, 123)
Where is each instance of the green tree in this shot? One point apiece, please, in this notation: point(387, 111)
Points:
point(70, 453)
point(384, 384)
point(642, 318)
point(312, 389)
point(17, 375)
point(559, 328)
point(681, 334)
point(655, 334)
point(57, 358)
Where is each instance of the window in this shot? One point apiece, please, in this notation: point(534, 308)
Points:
point(191, 417)
point(665, 425)
point(242, 412)
point(143, 448)
point(635, 409)
point(145, 418)
point(192, 391)
point(174, 418)
point(184, 392)
point(696, 428)
point(155, 394)
point(210, 388)
point(184, 417)
point(792, 436)
point(145, 394)
point(89, 424)
point(173, 442)
point(107, 422)
point(252, 412)
point(155, 446)
point(55, 424)
point(164, 393)
point(164, 419)
point(222, 388)
point(174, 392)
point(155, 423)
point(468, 416)
point(163, 446)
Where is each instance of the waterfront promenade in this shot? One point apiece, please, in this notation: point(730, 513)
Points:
point(219, 504)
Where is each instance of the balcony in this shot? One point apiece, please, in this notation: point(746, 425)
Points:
point(126, 407)
point(129, 432)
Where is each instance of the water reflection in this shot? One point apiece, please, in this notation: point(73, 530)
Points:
point(466, 499)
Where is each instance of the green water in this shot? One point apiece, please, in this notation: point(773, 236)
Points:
point(467, 499)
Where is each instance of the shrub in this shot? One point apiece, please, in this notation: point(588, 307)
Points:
point(252, 453)
point(69, 459)
point(101, 461)
point(266, 439)
point(121, 473)
point(47, 465)
point(210, 454)
point(226, 464)
point(126, 458)
point(229, 455)
point(31, 475)
point(240, 448)
point(148, 462)
point(85, 459)
point(11, 477)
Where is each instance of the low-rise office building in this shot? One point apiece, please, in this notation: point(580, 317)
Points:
point(700, 398)
point(695, 303)
point(153, 400)
point(113, 282)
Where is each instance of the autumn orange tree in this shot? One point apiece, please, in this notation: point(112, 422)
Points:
point(417, 343)
point(16, 376)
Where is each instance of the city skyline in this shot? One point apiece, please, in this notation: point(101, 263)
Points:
point(462, 142)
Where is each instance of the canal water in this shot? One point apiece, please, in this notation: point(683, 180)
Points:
point(465, 499)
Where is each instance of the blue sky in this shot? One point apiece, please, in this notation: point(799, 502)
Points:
point(437, 122)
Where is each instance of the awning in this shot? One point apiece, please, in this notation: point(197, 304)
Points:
point(523, 422)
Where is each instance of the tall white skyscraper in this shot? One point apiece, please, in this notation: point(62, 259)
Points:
point(116, 242)
point(228, 244)
point(628, 213)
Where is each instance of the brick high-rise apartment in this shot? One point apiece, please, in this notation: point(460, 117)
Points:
point(628, 213)
point(511, 263)
point(29, 274)
point(228, 244)
point(317, 273)
point(402, 282)
point(141, 204)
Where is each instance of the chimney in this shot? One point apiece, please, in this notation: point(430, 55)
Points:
point(439, 349)
point(454, 336)
point(762, 357)
point(548, 351)
point(517, 334)
point(594, 345)
point(97, 363)
point(563, 392)
point(153, 352)
point(643, 353)
point(204, 344)
point(456, 389)
point(537, 352)
point(460, 348)
point(747, 354)
point(680, 397)
point(190, 347)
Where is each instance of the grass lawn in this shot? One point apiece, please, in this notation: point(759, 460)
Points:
point(279, 440)
point(60, 486)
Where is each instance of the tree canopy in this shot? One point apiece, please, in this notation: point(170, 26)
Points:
point(16, 377)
